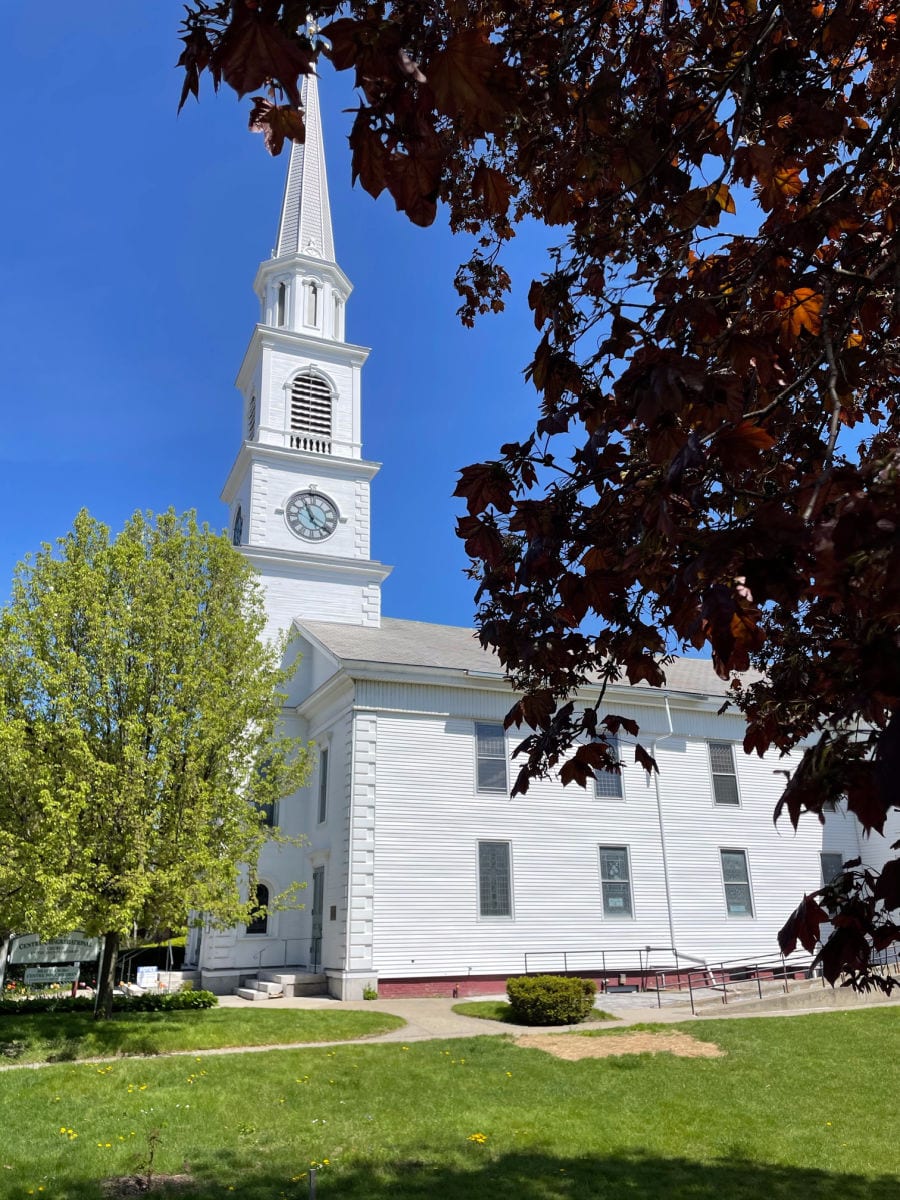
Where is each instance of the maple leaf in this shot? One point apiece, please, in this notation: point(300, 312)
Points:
point(413, 180)
point(462, 77)
point(276, 122)
point(778, 185)
point(645, 760)
point(255, 51)
point(798, 311)
point(802, 926)
point(484, 485)
point(369, 156)
point(741, 445)
point(887, 889)
point(482, 539)
point(494, 189)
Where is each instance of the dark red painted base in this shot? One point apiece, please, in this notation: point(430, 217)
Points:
point(488, 985)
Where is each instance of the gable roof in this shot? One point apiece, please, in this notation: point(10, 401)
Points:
point(452, 647)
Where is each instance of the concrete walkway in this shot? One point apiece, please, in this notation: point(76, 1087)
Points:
point(435, 1018)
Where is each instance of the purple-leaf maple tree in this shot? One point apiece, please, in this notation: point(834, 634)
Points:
point(715, 463)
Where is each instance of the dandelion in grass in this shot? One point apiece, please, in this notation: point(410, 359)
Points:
point(478, 1138)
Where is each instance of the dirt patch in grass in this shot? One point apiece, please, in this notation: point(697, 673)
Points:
point(572, 1048)
point(140, 1185)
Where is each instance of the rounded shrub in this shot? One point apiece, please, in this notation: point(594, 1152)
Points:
point(550, 999)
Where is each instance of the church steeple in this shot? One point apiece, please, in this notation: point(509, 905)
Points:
point(305, 225)
point(299, 489)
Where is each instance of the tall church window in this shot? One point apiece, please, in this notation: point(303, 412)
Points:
point(281, 304)
point(312, 304)
point(237, 530)
point(323, 784)
point(494, 880)
point(310, 415)
point(259, 922)
point(338, 321)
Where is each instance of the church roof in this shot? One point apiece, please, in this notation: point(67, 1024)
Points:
point(305, 225)
point(451, 647)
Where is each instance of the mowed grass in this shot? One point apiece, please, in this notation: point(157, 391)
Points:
point(64, 1037)
point(501, 1010)
point(800, 1107)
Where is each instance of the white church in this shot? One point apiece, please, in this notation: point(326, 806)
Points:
point(422, 875)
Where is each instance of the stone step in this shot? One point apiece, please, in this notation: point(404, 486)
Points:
point(297, 983)
point(269, 986)
point(247, 993)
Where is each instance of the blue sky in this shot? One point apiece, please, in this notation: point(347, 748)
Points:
point(129, 239)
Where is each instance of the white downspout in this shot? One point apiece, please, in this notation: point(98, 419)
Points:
point(662, 829)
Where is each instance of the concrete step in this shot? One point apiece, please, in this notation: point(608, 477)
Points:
point(261, 984)
point(247, 993)
point(297, 983)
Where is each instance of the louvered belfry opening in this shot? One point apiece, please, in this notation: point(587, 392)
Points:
point(251, 419)
point(311, 414)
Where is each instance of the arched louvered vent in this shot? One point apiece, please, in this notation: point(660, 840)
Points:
point(311, 414)
point(237, 529)
point(251, 419)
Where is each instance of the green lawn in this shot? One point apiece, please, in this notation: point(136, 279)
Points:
point(500, 1010)
point(64, 1037)
point(802, 1108)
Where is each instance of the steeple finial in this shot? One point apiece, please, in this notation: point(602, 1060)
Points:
point(305, 225)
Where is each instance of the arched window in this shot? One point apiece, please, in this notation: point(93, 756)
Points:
point(312, 304)
point(281, 304)
point(338, 322)
point(251, 419)
point(259, 923)
point(311, 414)
point(237, 531)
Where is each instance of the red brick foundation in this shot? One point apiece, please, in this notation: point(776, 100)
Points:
point(485, 985)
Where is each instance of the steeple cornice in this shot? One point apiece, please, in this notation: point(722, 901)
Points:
point(272, 338)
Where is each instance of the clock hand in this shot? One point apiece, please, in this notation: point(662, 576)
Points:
point(309, 513)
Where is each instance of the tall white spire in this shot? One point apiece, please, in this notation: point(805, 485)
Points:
point(305, 225)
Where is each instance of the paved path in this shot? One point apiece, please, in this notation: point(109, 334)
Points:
point(434, 1018)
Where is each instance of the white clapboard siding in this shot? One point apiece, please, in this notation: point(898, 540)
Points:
point(430, 818)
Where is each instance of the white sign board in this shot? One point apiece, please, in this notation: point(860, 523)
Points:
point(50, 974)
point(70, 947)
point(147, 977)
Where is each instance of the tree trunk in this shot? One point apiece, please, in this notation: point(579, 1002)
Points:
point(5, 938)
point(106, 977)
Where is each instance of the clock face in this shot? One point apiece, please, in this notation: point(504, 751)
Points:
point(311, 516)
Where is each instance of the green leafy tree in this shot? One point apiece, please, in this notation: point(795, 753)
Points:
point(140, 700)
